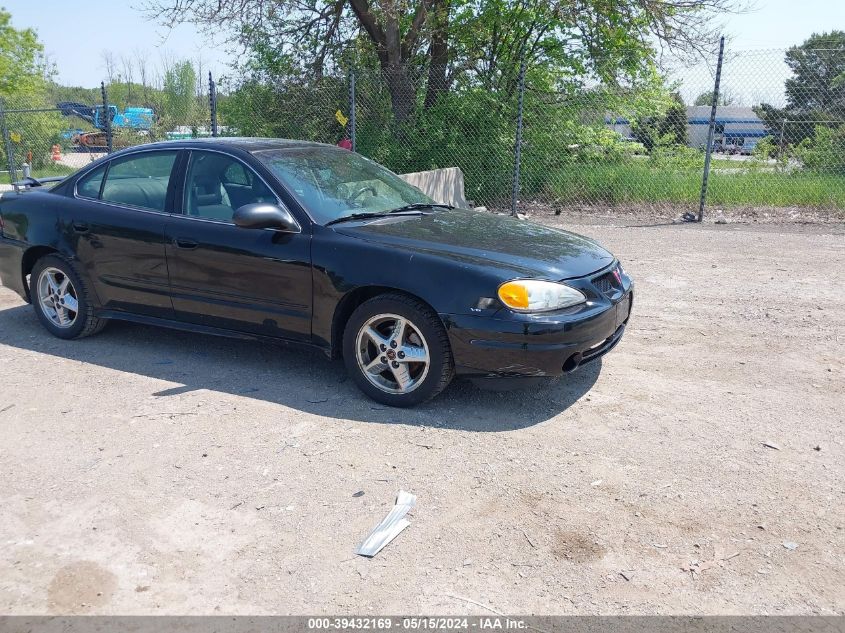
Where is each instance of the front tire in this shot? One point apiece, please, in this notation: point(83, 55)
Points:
point(61, 299)
point(397, 351)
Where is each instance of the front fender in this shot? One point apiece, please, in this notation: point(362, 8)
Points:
point(342, 264)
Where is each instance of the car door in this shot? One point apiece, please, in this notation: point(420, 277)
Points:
point(118, 218)
point(224, 276)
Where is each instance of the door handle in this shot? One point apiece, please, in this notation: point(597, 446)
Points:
point(182, 242)
point(80, 227)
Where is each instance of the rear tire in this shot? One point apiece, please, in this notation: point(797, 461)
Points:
point(61, 299)
point(397, 351)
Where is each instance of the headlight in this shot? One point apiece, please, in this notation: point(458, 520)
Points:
point(533, 295)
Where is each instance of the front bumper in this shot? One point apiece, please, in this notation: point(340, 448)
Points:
point(537, 345)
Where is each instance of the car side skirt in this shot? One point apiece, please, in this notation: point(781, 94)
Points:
point(205, 329)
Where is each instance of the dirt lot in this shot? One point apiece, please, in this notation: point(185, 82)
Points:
point(150, 471)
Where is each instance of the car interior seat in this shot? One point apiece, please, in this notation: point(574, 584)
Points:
point(206, 197)
point(148, 193)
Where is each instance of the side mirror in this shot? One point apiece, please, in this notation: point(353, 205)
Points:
point(265, 215)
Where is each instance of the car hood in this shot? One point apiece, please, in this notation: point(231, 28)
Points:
point(523, 248)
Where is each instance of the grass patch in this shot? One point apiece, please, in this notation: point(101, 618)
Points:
point(45, 171)
point(51, 170)
point(640, 182)
point(798, 189)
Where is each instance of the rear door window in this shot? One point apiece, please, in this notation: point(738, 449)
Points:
point(140, 180)
point(89, 186)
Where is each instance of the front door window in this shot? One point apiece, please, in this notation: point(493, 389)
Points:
point(218, 184)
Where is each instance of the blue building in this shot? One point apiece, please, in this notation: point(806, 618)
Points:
point(737, 128)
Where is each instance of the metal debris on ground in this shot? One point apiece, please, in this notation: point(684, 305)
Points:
point(390, 526)
point(790, 545)
point(360, 493)
point(771, 445)
point(530, 542)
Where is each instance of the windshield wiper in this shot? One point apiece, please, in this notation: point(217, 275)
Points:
point(355, 216)
point(417, 206)
point(408, 208)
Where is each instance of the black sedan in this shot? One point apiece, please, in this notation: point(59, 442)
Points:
point(310, 244)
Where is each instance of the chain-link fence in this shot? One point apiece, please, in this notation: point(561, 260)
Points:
point(42, 141)
point(55, 137)
point(776, 137)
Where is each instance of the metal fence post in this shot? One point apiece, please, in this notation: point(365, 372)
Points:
point(517, 149)
point(352, 118)
point(7, 144)
point(212, 103)
point(710, 131)
point(107, 118)
point(780, 142)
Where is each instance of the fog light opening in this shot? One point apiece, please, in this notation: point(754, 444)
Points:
point(571, 363)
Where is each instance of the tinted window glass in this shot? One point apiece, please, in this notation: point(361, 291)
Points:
point(237, 174)
point(218, 184)
point(333, 183)
point(89, 187)
point(141, 180)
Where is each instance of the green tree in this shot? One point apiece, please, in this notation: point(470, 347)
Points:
point(179, 97)
point(434, 46)
point(23, 69)
point(24, 78)
point(818, 68)
point(674, 124)
point(824, 152)
point(670, 128)
point(178, 103)
point(706, 99)
point(815, 93)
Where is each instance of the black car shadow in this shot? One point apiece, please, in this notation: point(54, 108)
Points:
point(296, 378)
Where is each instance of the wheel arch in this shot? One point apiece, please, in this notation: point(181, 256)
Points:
point(354, 298)
point(30, 256)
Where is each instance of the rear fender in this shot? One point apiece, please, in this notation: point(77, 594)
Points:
point(33, 226)
point(32, 254)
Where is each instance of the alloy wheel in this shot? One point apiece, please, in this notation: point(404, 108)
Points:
point(57, 297)
point(392, 353)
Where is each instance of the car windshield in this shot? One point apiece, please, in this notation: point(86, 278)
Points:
point(332, 183)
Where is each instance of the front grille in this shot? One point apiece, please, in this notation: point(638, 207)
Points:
point(604, 283)
point(609, 283)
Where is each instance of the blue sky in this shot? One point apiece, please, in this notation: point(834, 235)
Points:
point(76, 33)
point(783, 23)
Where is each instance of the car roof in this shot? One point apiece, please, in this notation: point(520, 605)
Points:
point(236, 142)
point(244, 144)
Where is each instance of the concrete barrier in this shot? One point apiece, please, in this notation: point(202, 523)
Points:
point(443, 185)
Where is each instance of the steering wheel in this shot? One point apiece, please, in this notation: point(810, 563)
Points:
point(361, 191)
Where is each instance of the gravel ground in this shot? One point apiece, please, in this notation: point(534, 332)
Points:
point(148, 471)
